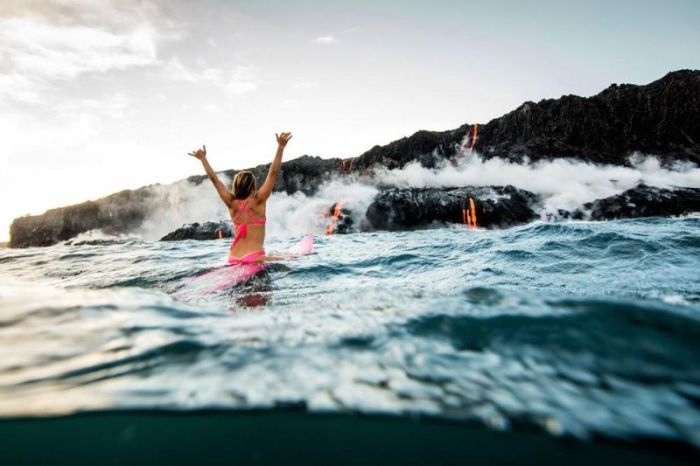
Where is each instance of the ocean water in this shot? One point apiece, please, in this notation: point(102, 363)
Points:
point(588, 332)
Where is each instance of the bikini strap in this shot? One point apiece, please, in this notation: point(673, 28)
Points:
point(243, 208)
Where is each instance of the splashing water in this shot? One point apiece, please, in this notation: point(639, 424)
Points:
point(579, 328)
point(562, 184)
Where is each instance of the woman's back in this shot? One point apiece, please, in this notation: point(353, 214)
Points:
point(248, 217)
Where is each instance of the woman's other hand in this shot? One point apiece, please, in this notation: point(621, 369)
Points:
point(283, 139)
point(199, 154)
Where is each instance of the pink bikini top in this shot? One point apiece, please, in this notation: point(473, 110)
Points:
point(242, 227)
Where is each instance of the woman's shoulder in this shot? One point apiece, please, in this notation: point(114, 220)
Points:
point(257, 200)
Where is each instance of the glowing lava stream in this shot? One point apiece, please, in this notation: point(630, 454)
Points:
point(334, 218)
point(472, 138)
point(469, 215)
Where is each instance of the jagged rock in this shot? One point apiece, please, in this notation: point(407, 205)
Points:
point(118, 213)
point(345, 222)
point(125, 211)
point(201, 231)
point(660, 118)
point(303, 174)
point(426, 147)
point(406, 208)
point(642, 201)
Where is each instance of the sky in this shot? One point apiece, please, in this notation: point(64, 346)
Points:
point(97, 96)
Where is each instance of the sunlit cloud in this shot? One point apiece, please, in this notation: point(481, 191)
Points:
point(45, 43)
point(110, 15)
point(325, 40)
point(174, 69)
point(113, 106)
point(20, 88)
point(303, 85)
point(241, 87)
point(238, 81)
point(243, 80)
point(37, 48)
point(290, 103)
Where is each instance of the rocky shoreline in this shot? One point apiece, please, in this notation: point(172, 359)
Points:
point(401, 209)
point(660, 118)
point(642, 201)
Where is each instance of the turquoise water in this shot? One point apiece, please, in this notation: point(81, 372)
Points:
point(586, 331)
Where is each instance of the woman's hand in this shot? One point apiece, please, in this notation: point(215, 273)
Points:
point(199, 154)
point(283, 139)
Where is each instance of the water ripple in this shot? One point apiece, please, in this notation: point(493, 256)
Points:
point(583, 329)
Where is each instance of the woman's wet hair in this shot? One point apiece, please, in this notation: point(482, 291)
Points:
point(243, 185)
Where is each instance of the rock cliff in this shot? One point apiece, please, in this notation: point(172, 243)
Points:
point(661, 118)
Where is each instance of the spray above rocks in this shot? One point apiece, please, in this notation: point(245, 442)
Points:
point(561, 155)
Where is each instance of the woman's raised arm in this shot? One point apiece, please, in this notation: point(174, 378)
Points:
point(267, 187)
point(225, 194)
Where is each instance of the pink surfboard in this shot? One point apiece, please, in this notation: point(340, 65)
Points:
point(302, 248)
point(230, 275)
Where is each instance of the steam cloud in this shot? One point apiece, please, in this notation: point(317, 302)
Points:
point(562, 184)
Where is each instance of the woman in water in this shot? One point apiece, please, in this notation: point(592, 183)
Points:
point(246, 205)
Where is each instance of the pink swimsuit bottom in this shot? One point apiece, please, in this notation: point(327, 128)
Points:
point(250, 258)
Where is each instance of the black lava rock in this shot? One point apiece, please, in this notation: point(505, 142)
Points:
point(407, 208)
point(661, 118)
point(642, 201)
point(203, 231)
point(118, 213)
point(425, 147)
point(303, 174)
point(340, 220)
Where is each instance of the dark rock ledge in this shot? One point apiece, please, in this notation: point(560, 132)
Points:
point(661, 118)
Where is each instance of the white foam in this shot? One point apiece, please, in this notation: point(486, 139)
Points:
point(182, 202)
point(298, 213)
point(562, 184)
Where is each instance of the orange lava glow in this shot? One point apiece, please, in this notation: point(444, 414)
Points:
point(471, 137)
point(330, 229)
point(469, 215)
point(475, 136)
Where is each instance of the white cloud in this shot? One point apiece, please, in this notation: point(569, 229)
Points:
point(113, 106)
point(175, 70)
point(66, 128)
point(303, 85)
point(243, 80)
point(18, 87)
point(325, 40)
point(290, 103)
point(37, 48)
point(238, 81)
point(100, 14)
point(43, 44)
point(241, 87)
